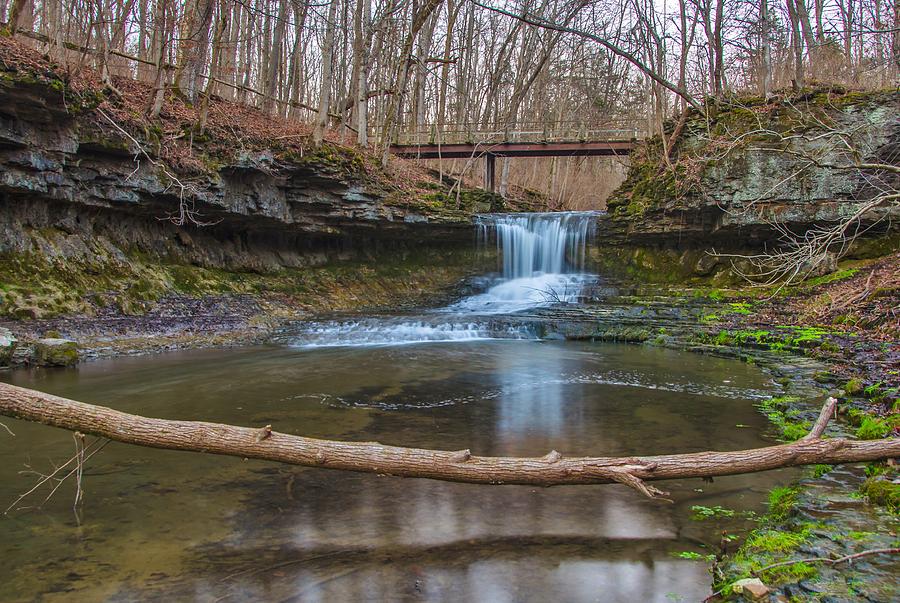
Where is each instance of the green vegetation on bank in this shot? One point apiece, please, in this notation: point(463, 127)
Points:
point(35, 286)
point(772, 542)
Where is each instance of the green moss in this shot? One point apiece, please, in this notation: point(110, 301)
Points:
point(853, 387)
point(740, 308)
point(855, 535)
point(789, 428)
point(647, 184)
point(776, 541)
point(40, 286)
point(764, 547)
point(701, 513)
point(882, 492)
point(834, 277)
point(782, 502)
point(56, 353)
point(820, 470)
point(338, 160)
point(873, 428)
point(466, 199)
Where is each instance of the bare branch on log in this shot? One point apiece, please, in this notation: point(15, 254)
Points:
point(460, 466)
point(822, 422)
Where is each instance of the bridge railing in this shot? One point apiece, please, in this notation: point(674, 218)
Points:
point(432, 134)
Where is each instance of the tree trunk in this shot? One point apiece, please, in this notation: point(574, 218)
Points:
point(765, 75)
point(362, 61)
point(214, 74)
point(193, 48)
point(796, 43)
point(162, 35)
point(271, 87)
point(395, 105)
point(21, 15)
point(327, 64)
point(895, 38)
point(552, 469)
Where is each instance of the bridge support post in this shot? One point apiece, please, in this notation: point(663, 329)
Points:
point(489, 171)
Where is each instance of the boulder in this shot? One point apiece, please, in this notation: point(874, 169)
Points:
point(7, 344)
point(52, 351)
point(753, 588)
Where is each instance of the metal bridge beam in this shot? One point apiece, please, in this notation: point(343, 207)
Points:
point(489, 171)
point(515, 149)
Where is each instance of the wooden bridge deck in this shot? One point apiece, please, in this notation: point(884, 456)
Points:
point(568, 139)
point(514, 149)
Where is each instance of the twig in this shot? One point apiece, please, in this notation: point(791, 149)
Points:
point(826, 560)
point(46, 478)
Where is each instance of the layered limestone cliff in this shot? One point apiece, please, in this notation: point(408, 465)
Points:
point(66, 171)
point(103, 210)
point(740, 177)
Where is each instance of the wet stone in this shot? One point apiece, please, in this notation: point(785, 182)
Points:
point(55, 352)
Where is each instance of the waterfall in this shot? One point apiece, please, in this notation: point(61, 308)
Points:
point(540, 243)
point(543, 263)
point(543, 260)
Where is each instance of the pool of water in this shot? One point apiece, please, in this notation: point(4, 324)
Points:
point(166, 525)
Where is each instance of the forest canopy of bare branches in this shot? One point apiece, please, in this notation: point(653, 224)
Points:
point(379, 70)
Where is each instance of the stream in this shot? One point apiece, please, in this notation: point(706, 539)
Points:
point(164, 525)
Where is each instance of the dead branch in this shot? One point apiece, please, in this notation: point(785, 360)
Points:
point(822, 422)
point(373, 457)
point(828, 561)
point(82, 455)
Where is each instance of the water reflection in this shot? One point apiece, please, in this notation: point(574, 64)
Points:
point(530, 405)
point(166, 525)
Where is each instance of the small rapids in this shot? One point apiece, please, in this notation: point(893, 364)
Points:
point(374, 331)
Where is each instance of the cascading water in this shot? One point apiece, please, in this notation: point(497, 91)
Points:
point(543, 259)
point(396, 331)
point(548, 243)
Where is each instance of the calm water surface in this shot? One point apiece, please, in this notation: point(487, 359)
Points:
point(164, 525)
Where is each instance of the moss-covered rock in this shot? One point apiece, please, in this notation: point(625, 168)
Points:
point(739, 166)
point(884, 492)
point(55, 352)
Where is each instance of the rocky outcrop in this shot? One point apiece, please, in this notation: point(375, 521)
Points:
point(755, 166)
point(61, 171)
point(92, 192)
point(44, 351)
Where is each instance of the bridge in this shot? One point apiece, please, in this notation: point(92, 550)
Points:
point(561, 139)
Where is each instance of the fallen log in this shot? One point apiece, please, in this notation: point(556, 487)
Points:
point(552, 469)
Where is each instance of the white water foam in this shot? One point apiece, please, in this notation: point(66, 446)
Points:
point(373, 332)
point(520, 294)
point(543, 257)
